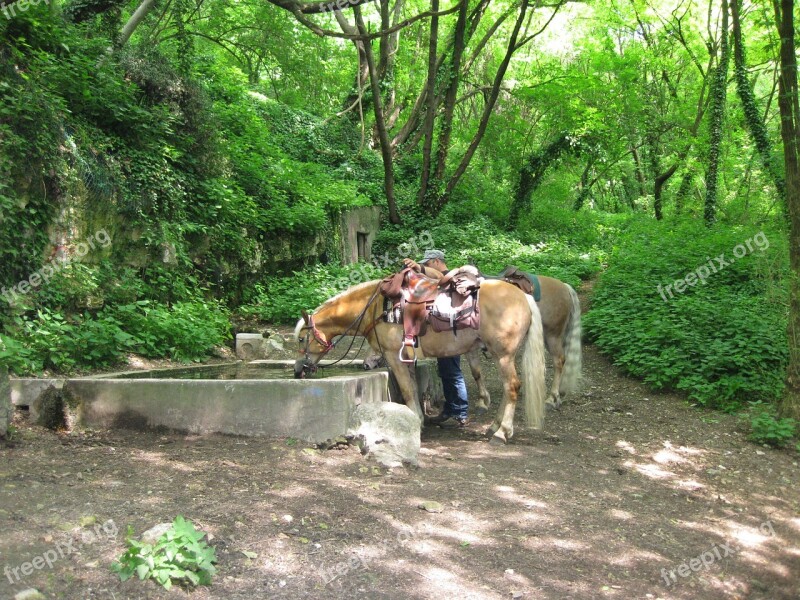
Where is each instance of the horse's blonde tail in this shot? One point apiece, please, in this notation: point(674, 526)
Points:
point(573, 361)
point(533, 369)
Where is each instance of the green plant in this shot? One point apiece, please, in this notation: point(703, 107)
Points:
point(281, 299)
point(723, 341)
point(180, 556)
point(767, 428)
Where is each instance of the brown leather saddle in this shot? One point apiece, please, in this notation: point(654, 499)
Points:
point(448, 304)
point(527, 282)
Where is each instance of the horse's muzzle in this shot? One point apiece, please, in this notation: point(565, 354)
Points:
point(304, 367)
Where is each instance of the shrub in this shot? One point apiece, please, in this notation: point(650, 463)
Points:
point(723, 342)
point(282, 299)
point(185, 331)
point(180, 555)
point(766, 428)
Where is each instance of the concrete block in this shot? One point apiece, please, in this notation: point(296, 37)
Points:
point(249, 346)
point(28, 391)
point(312, 410)
point(6, 411)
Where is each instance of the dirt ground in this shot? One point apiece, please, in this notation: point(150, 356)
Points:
point(622, 487)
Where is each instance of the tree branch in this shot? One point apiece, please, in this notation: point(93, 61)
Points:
point(298, 12)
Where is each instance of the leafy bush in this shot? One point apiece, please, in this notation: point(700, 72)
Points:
point(281, 299)
point(62, 343)
point(19, 358)
point(766, 428)
point(478, 242)
point(185, 331)
point(723, 342)
point(180, 556)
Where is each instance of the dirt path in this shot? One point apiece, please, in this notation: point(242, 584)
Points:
point(622, 487)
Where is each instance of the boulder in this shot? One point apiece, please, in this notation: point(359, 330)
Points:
point(388, 432)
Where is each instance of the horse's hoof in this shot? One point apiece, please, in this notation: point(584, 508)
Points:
point(491, 431)
point(552, 406)
point(481, 411)
point(496, 440)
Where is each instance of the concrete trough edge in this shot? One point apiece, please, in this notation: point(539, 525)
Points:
point(312, 410)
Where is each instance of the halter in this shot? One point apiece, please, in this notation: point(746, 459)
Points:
point(318, 336)
point(328, 346)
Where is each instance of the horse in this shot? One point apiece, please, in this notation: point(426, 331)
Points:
point(561, 321)
point(510, 322)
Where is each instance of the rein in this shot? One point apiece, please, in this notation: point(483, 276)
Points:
point(328, 346)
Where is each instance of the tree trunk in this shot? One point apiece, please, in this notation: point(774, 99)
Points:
point(683, 191)
point(138, 15)
point(790, 134)
point(380, 123)
point(658, 190)
point(585, 187)
point(639, 170)
point(488, 107)
point(430, 113)
point(362, 70)
point(752, 116)
point(451, 95)
point(716, 123)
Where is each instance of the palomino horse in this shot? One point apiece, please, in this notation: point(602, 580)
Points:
point(561, 322)
point(509, 317)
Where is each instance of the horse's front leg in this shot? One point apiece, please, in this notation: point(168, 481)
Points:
point(483, 402)
point(505, 414)
point(406, 382)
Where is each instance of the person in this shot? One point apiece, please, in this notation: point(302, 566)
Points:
point(454, 412)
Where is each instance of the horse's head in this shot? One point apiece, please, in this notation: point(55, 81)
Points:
point(313, 344)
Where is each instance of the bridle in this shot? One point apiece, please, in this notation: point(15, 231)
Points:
point(326, 345)
point(318, 336)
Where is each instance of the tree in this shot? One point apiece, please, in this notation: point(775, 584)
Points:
point(719, 92)
point(752, 116)
point(790, 134)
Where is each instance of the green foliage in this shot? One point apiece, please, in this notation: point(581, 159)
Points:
point(54, 341)
point(281, 299)
point(19, 358)
point(51, 340)
point(766, 428)
point(179, 556)
point(723, 342)
point(479, 242)
point(184, 331)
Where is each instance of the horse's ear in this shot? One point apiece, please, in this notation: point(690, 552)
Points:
point(305, 316)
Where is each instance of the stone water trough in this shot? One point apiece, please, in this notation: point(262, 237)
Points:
point(256, 398)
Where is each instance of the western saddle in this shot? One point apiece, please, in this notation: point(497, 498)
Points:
point(448, 304)
point(527, 282)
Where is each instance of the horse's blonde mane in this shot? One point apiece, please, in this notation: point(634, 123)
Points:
point(298, 328)
point(356, 288)
point(350, 290)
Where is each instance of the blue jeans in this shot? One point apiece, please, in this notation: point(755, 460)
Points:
point(454, 387)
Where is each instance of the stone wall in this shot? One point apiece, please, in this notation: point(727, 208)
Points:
point(359, 227)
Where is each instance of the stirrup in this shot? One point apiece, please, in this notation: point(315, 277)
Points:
point(407, 344)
